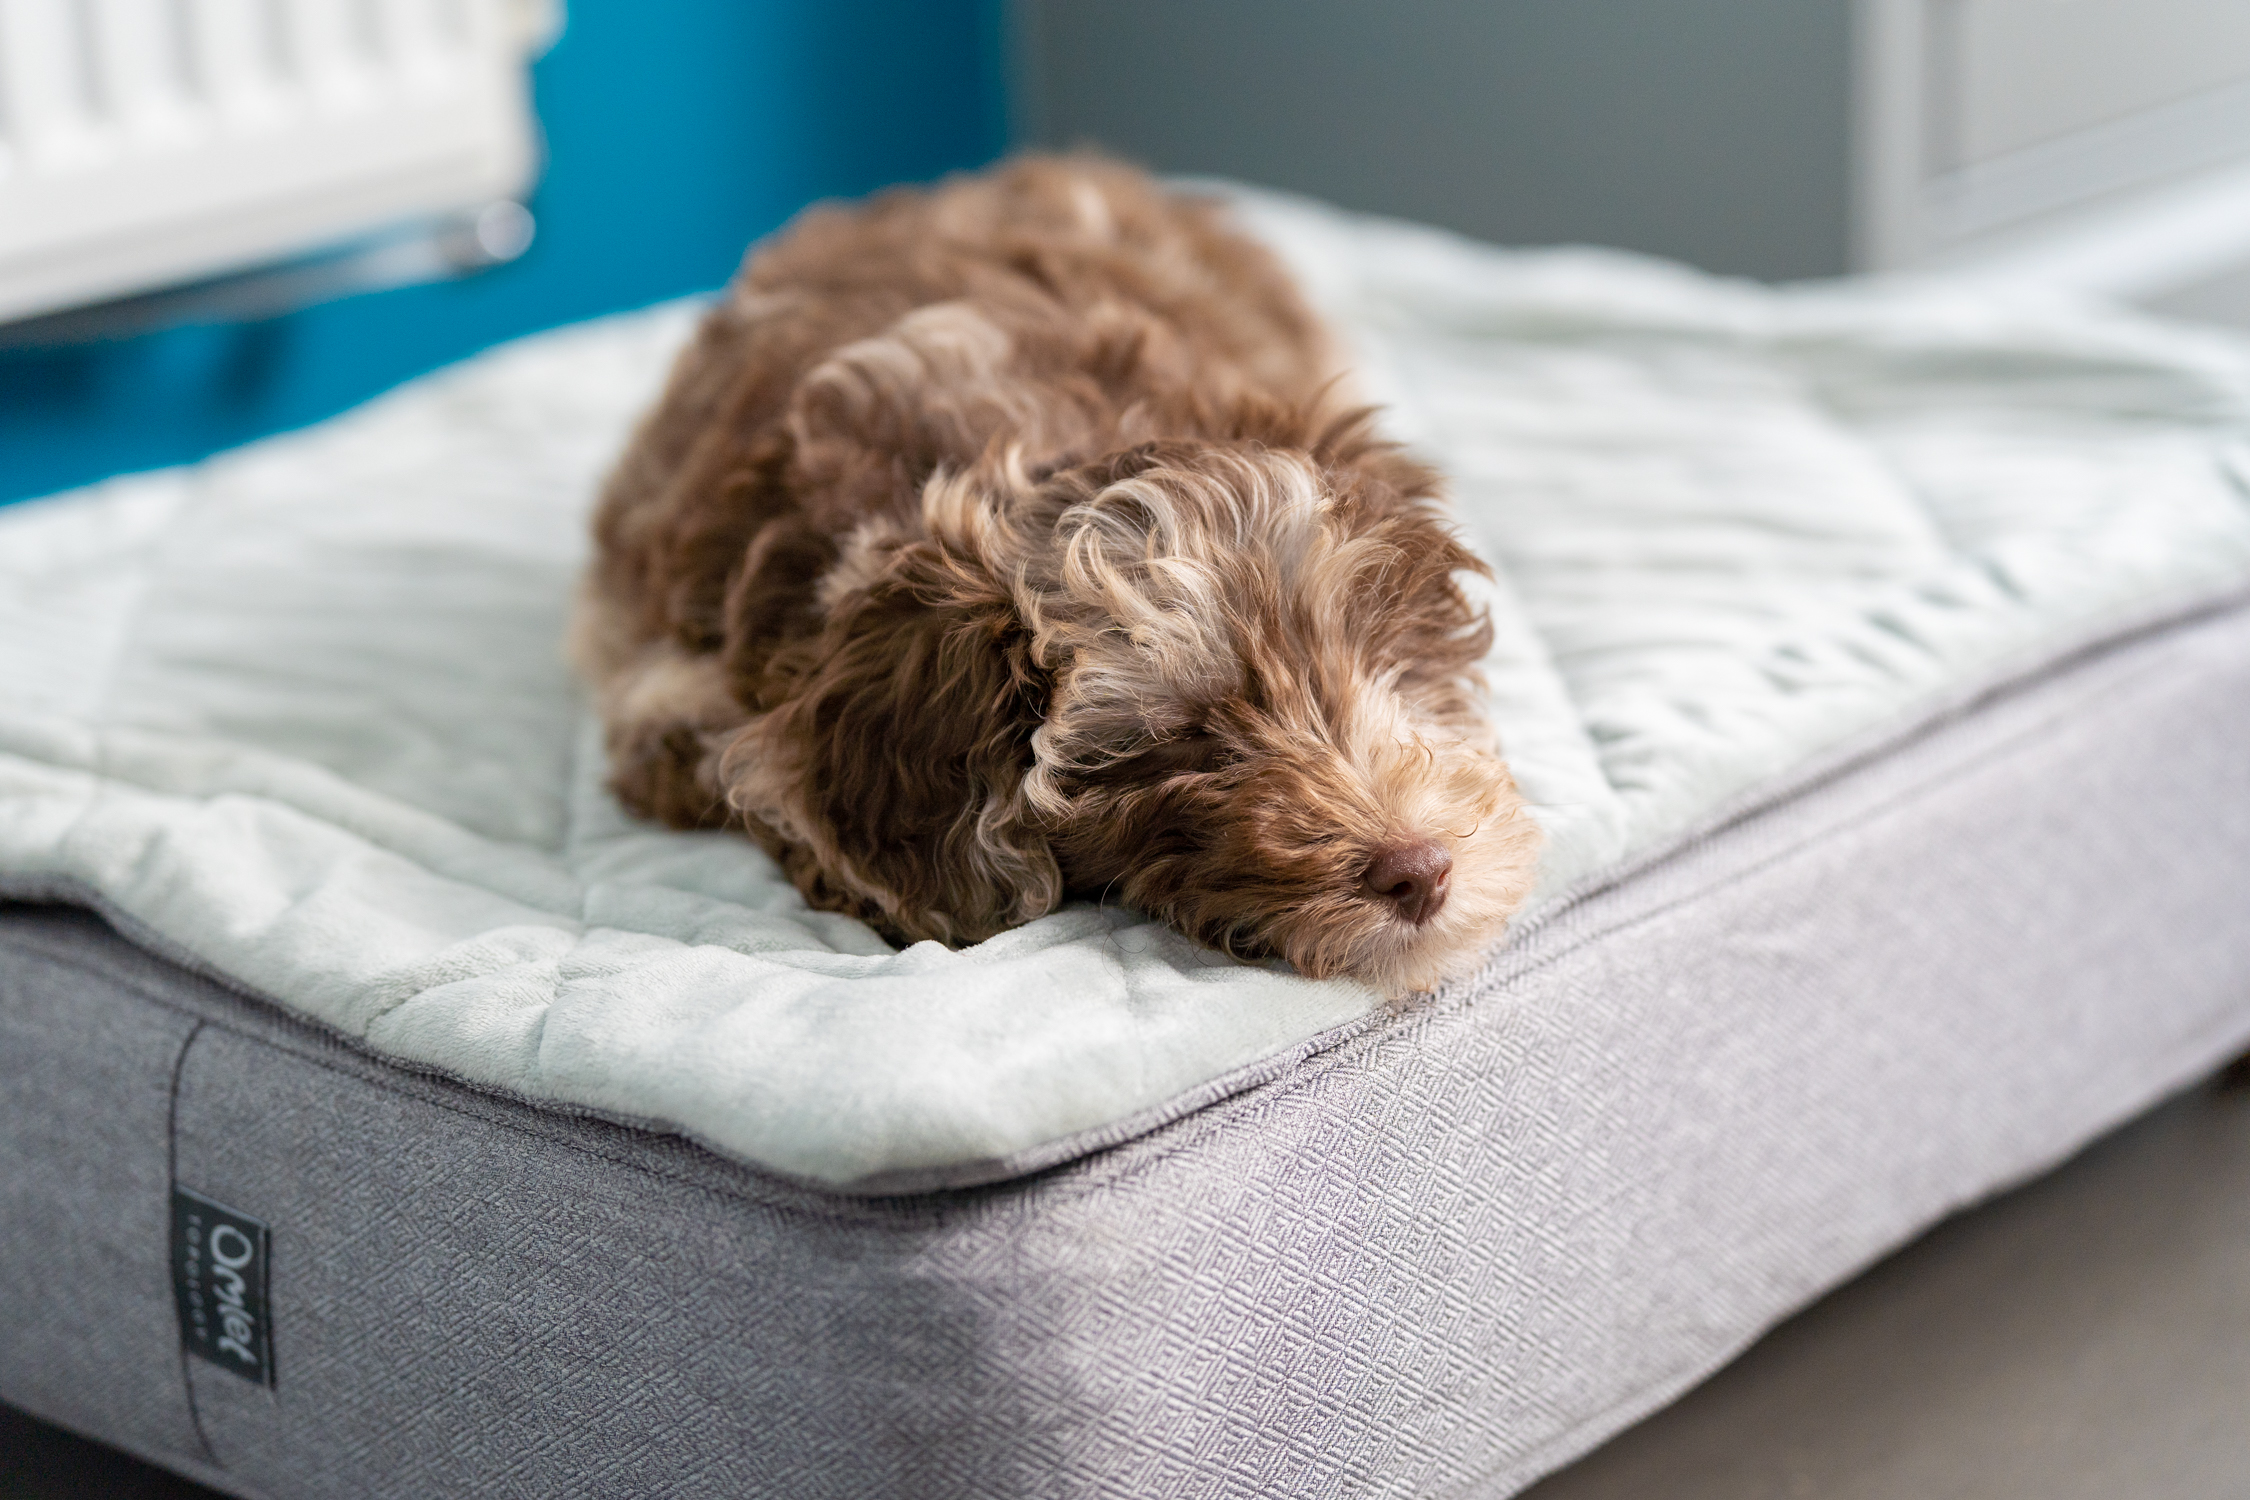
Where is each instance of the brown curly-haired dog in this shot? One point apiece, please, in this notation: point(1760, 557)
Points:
point(1002, 543)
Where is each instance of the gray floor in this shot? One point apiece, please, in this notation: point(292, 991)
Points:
point(38, 1462)
point(2086, 1336)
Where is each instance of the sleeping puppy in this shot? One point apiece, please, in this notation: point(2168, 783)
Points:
point(1004, 543)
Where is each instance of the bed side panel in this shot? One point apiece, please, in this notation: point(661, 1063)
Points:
point(88, 1337)
point(462, 1306)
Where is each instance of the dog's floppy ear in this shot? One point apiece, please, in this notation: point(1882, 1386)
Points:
point(886, 770)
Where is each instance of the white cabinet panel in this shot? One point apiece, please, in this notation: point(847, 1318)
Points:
point(2019, 72)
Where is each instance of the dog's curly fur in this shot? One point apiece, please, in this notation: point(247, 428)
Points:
point(1005, 542)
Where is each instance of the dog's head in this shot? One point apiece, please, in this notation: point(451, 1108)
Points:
point(1226, 683)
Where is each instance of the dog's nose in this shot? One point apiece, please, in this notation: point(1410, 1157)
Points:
point(1412, 875)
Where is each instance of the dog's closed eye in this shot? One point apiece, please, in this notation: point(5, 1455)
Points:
point(1191, 751)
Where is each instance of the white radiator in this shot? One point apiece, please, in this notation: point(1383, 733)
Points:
point(149, 142)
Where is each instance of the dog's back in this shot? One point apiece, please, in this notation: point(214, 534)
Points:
point(1064, 306)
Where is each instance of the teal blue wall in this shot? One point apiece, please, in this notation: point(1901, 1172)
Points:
point(677, 132)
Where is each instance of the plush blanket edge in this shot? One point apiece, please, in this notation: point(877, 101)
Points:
point(1520, 954)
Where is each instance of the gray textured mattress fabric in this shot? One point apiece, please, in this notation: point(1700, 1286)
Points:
point(1439, 1255)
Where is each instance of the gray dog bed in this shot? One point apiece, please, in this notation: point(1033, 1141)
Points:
point(1880, 665)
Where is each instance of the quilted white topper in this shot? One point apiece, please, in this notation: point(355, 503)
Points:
point(299, 714)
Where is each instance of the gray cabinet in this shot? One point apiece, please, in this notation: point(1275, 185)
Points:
point(1989, 127)
point(2022, 73)
point(2106, 141)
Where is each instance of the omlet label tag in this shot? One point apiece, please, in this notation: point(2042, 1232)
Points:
point(219, 1264)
